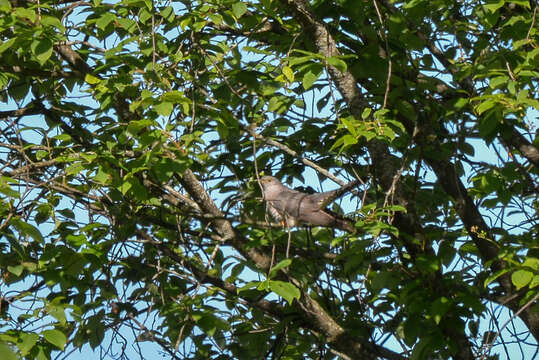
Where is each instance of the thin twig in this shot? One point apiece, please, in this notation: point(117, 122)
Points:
point(154, 55)
point(289, 240)
point(529, 303)
point(293, 153)
point(532, 24)
point(390, 64)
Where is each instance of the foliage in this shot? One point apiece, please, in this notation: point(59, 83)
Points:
point(133, 133)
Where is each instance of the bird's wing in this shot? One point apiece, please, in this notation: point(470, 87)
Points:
point(296, 202)
point(293, 207)
point(311, 214)
point(274, 212)
point(281, 212)
point(326, 198)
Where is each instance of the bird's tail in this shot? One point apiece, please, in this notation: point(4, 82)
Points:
point(345, 225)
point(330, 196)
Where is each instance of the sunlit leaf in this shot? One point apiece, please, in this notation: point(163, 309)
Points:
point(521, 278)
point(308, 80)
point(55, 337)
point(286, 290)
point(27, 343)
point(239, 9)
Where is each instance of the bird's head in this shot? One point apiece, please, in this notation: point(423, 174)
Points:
point(267, 181)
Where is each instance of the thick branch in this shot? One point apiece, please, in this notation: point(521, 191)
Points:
point(26, 111)
point(381, 158)
point(317, 318)
point(526, 149)
point(385, 164)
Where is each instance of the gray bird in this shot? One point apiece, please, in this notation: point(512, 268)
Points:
point(292, 207)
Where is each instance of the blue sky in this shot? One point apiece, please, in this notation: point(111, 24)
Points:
point(483, 153)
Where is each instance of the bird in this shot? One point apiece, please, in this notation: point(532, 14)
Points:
point(294, 208)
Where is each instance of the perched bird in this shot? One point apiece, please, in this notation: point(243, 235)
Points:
point(294, 208)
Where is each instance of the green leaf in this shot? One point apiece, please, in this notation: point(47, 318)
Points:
point(52, 21)
point(16, 270)
point(308, 79)
point(497, 81)
point(383, 280)
point(55, 337)
point(414, 3)
point(494, 276)
point(277, 104)
point(269, 88)
point(239, 9)
point(288, 73)
point(25, 13)
point(299, 60)
point(532, 263)
point(68, 213)
point(210, 323)
point(136, 126)
point(494, 5)
point(127, 24)
point(256, 50)
point(26, 229)
point(7, 190)
point(40, 154)
point(521, 278)
point(95, 329)
point(165, 168)
point(467, 148)
point(7, 44)
point(488, 126)
point(407, 110)
point(412, 329)
point(102, 177)
point(421, 349)
point(366, 113)
point(349, 140)
point(248, 286)
point(5, 5)
point(524, 3)
point(439, 308)
point(337, 63)
point(27, 343)
point(164, 108)
point(7, 353)
point(263, 285)
point(286, 290)
point(167, 13)
point(63, 137)
point(282, 264)
point(42, 49)
point(175, 97)
point(44, 212)
point(105, 20)
point(41, 355)
point(428, 263)
point(485, 105)
point(125, 186)
point(534, 282)
point(396, 208)
point(350, 124)
point(92, 80)
point(75, 169)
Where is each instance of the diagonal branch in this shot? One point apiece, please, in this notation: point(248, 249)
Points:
point(526, 149)
point(317, 318)
point(515, 139)
point(385, 165)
